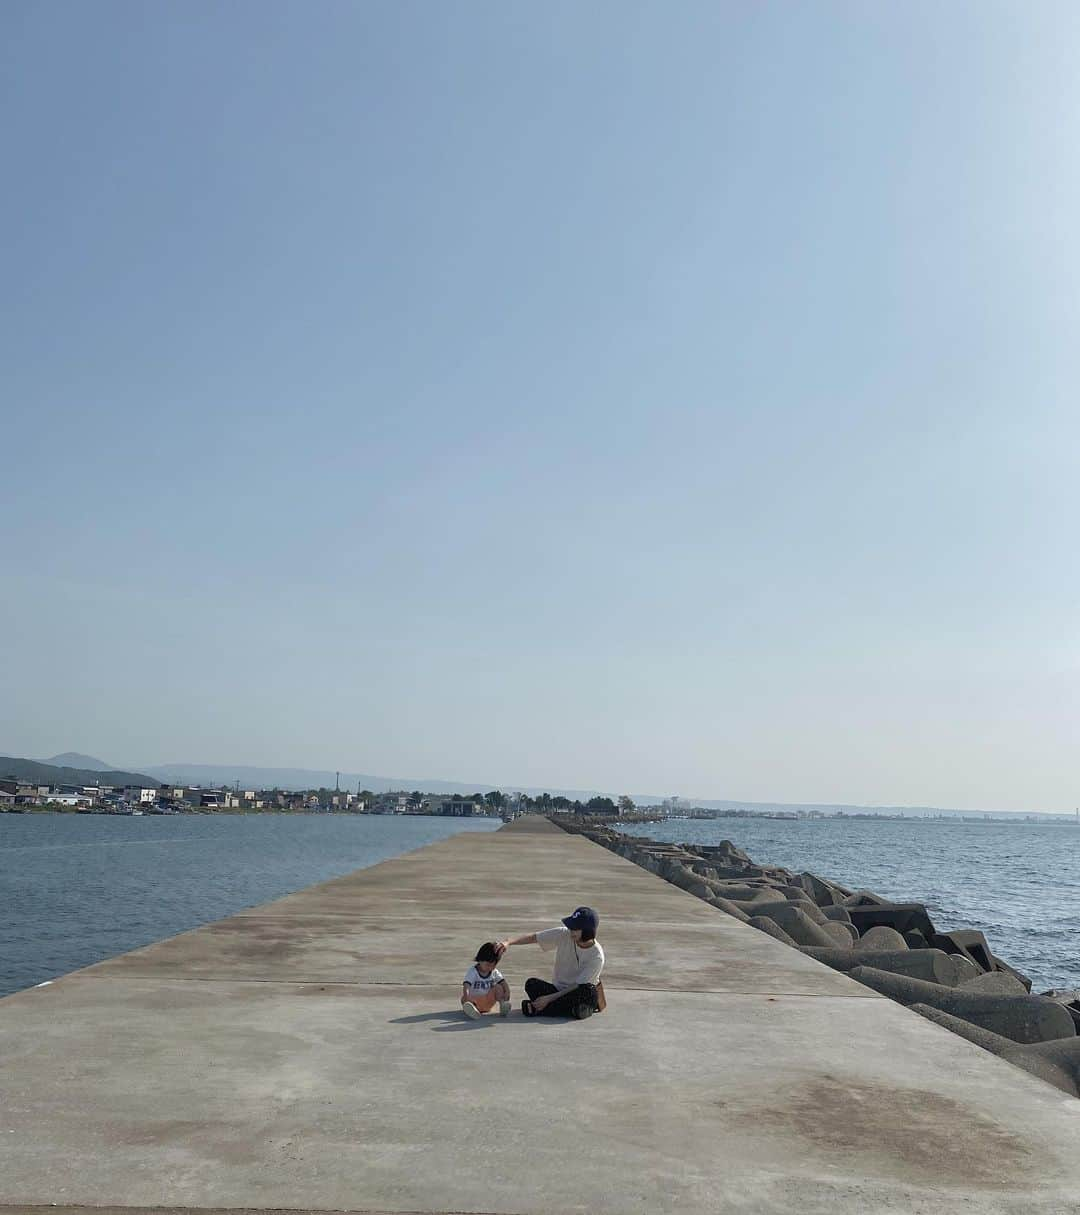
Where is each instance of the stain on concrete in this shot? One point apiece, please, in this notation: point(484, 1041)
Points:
point(210, 1140)
point(913, 1130)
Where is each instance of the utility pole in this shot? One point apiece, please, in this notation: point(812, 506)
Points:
point(337, 782)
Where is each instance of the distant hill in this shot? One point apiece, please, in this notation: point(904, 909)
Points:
point(309, 778)
point(38, 773)
point(72, 759)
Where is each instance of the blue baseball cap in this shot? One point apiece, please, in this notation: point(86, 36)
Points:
point(584, 918)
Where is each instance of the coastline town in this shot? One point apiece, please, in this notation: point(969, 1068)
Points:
point(21, 796)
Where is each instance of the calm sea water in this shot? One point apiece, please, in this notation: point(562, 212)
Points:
point(76, 888)
point(1017, 882)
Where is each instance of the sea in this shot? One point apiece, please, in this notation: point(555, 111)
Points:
point(1017, 882)
point(77, 888)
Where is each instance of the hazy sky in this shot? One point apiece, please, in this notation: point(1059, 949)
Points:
point(678, 398)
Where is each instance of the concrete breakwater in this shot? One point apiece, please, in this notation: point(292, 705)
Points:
point(952, 978)
point(309, 1055)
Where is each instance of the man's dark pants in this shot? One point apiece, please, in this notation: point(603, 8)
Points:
point(581, 998)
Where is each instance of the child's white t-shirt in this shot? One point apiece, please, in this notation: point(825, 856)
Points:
point(479, 982)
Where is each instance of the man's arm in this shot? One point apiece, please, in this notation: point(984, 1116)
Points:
point(503, 946)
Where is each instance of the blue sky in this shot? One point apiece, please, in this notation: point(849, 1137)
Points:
point(633, 397)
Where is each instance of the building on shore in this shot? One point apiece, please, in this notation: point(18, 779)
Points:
point(391, 803)
point(453, 807)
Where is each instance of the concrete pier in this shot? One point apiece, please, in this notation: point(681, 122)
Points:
point(308, 1055)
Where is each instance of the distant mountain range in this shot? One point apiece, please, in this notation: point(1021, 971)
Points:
point(83, 769)
point(37, 772)
point(311, 778)
point(72, 759)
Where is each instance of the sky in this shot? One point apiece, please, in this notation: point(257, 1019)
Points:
point(617, 396)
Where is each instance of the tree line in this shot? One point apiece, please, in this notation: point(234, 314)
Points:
point(495, 799)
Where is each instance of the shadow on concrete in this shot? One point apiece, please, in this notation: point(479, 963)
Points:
point(448, 1014)
point(453, 1020)
point(453, 1026)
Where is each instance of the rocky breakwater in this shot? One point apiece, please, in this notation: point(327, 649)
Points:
point(952, 978)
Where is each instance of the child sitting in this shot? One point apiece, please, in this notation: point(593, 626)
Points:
point(483, 986)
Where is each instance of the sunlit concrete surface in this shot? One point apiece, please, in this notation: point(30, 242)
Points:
point(308, 1055)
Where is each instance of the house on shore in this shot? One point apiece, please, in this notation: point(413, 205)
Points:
point(454, 807)
point(391, 803)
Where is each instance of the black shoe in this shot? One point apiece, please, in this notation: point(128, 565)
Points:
point(527, 1009)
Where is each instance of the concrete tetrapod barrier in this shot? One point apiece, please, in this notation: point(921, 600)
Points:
point(996, 982)
point(969, 942)
point(1058, 1062)
point(965, 968)
point(974, 946)
point(702, 889)
point(783, 907)
point(864, 898)
point(904, 917)
point(743, 873)
point(725, 851)
point(682, 876)
point(801, 928)
point(930, 965)
point(1005, 968)
point(795, 893)
point(1021, 1018)
point(839, 914)
point(843, 934)
point(822, 891)
point(1069, 1000)
point(771, 928)
point(882, 938)
point(850, 929)
point(741, 893)
point(726, 905)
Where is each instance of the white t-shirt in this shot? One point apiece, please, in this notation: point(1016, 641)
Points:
point(479, 982)
point(573, 965)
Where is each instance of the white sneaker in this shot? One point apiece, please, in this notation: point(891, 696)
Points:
point(471, 1011)
point(504, 1008)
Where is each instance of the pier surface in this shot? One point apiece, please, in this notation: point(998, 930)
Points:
point(308, 1055)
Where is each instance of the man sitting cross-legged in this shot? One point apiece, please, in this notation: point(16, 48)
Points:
point(575, 989)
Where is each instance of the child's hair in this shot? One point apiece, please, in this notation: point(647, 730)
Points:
point(487, 952)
